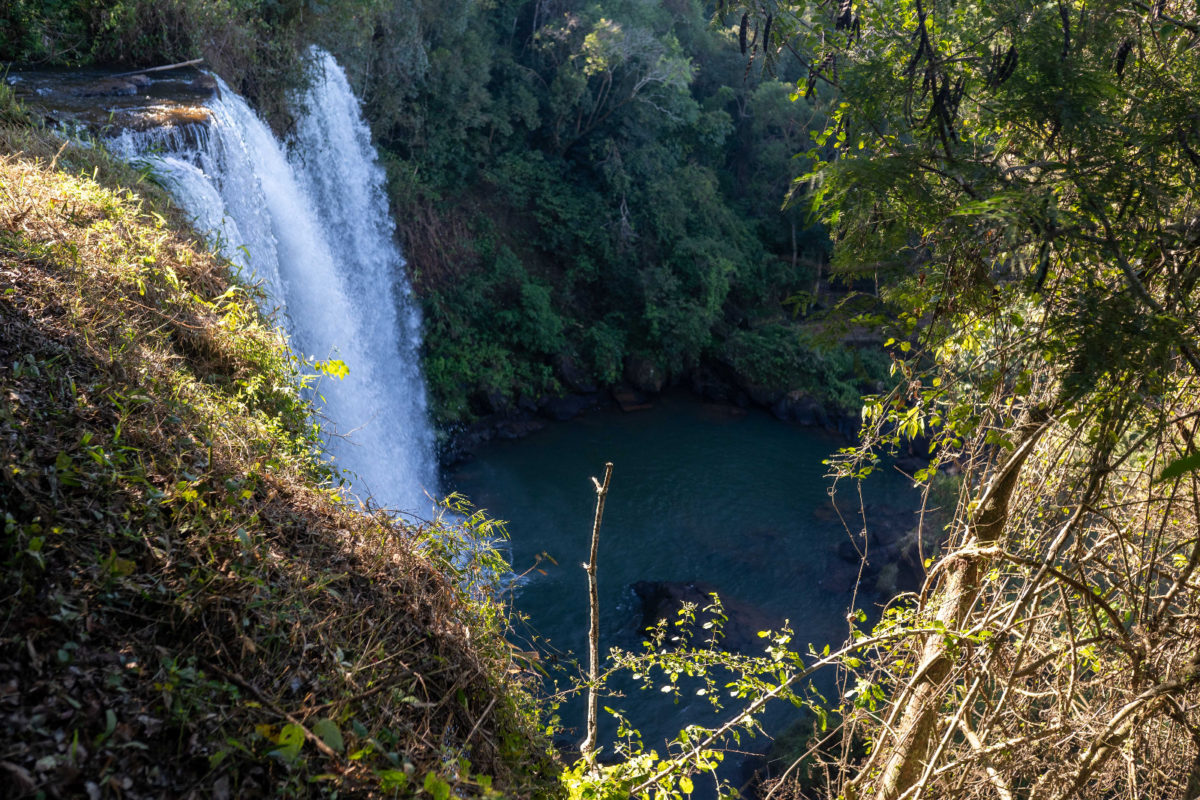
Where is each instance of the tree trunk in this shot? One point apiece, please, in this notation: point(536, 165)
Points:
point(916, 732)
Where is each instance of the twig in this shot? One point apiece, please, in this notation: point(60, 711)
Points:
point(588, 748)
point(479, 722)
point(270, 706)
point(163, 68)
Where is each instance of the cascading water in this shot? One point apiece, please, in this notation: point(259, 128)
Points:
point(311, 222)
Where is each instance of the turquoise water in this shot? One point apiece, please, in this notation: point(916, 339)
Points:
point(700, 492)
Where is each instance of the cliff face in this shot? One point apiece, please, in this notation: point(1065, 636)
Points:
point(189, 608)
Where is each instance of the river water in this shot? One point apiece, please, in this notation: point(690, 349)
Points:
point(700, 492)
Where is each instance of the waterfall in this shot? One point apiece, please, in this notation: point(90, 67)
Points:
point(311, 222)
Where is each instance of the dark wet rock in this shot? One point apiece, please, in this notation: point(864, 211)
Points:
point(850, 551)
point(801, 407)
point(568, 407)
point(848, 426)
point(662, 600)
point(840, 577)
point(644, 375)
point(760, 395)
point(496, 402)
point(706, 383)
point(518, 428)
point(630, 400)
point(825, 512)
point(573, 376)
point(107, 103)
point(201, 85)
point(112, 87)
point(893, 556)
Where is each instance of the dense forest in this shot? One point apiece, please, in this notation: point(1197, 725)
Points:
point(593, 193)
point(1005, 196)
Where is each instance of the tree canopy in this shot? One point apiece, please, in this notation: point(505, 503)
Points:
point(604, 180)
point(1025, 175)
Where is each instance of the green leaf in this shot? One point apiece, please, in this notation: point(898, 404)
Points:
point(685, 784)
point(334, 367)
point(393, 780)
point(327, 731)
point(437, 786)
point(290, 740)
point(110, 725)
point(1179, 467)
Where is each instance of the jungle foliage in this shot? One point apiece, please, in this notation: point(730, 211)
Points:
point(575, 182)
point(579, 183)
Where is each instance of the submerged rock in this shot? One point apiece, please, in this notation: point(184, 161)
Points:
point(893, 555)
point(662, 600)
point(801, 407)
point(568, 407)
point(629, 399)
point(644, 375)
point(112, 87)
point(519, 427)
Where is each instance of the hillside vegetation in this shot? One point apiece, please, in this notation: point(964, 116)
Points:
point(188, 607)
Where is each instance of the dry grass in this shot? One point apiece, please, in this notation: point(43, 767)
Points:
point(186, 607)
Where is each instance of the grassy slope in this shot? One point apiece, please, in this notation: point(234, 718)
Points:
point(186, 609)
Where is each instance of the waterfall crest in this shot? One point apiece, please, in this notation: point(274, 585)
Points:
point(311, 222)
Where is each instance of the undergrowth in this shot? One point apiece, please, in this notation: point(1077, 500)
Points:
point(187, 607)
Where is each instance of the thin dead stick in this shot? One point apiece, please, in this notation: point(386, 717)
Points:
point(163, 68)
point(588, 748)
point(275, 709)
point(479, 722)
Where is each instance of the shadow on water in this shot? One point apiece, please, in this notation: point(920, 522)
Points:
point(701, 493)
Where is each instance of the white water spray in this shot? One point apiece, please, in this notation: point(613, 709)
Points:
point(312, 224)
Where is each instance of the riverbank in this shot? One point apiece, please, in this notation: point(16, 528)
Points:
point(704, 383)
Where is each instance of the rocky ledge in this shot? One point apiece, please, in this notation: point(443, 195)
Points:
point(642, 384)
point(102, 102)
